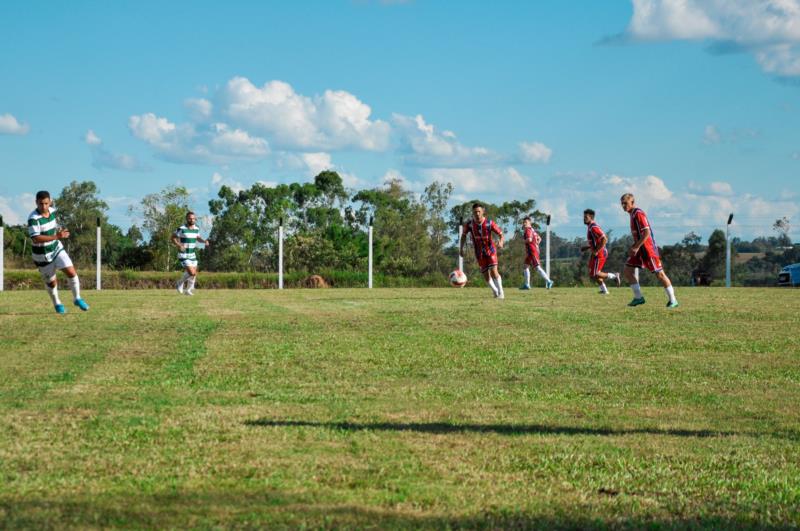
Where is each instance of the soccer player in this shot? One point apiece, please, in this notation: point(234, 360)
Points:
point(481, 229)
point(185, 239)
point(597, 241)
point(643, 254)
point(49, 254)
point(532, 240)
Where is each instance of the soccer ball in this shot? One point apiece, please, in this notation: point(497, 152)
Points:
point(458, 279)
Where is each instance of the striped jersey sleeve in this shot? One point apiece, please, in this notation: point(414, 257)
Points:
point(38, 225)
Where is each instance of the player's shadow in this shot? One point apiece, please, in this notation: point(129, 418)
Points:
point(443, 428)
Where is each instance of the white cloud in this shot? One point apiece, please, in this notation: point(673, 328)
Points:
point(214, 144)
point(15, 209)
point(199, 109)
point(711, 135)
point(480, 180)
point(424, 146)
point(770, 29)
point(533, 152)
point(10, 126)
point(721, 188)
point(334, 120)
point(102, 158)
point(218, 181)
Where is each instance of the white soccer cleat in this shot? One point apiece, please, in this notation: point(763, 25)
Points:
point(188, 292)
point(179, 287)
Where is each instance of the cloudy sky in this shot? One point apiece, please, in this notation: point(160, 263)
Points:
point(694, 105)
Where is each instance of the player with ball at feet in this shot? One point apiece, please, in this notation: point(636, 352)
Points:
point(481, 229)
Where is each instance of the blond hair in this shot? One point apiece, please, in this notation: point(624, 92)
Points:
point(627, 196)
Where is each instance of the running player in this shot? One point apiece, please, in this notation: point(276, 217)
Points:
point(185, 239)
point(597, 241)
point(49, 254)
point(643, 254)
point(532, 240)
point(481, 229)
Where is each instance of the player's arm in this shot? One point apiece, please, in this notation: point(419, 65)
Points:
point(63, 234)
point(203, 241)
point(176, 241)
point(496, 230)
point(601, 244)
point(643, 236)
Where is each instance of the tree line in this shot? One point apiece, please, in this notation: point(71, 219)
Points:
point(326, 229)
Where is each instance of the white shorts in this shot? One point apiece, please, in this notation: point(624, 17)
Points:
point(62, 261)
point(188, 263)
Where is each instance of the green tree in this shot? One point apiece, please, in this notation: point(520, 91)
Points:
point(162, 213)
point(714, 260)
point(435, 199)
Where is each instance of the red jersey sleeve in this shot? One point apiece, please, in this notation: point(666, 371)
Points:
point(598, 232)
point(642, 222)
point(496, 229)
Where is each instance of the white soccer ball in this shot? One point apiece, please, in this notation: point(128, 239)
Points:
point(458, 279)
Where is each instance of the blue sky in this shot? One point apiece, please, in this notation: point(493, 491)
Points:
point(692, 105)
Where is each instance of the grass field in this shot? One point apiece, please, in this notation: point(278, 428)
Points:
point(401, 408)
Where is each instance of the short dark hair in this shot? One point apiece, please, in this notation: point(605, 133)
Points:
point(42, 194)
point(190, 213)
point(590, 212)
point(527, 218)
point(477, 205)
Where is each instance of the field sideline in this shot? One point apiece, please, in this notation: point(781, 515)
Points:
point(400, 408)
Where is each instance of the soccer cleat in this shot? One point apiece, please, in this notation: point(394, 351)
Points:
point(619, 280)
point(179, 287)
point(60, 309)
point(189, 292)
point(603, 292)
point(80, 303)
point(501, 296)
point(671, 304)
point(636, 302)
point(548, 284)
point(524, 287)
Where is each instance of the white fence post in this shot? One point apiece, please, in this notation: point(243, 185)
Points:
point(99, 259)
point(460, 233)
point(369, 281)
point(547, 248)
point(280, 255)
point(728, 252)
point(2, 257)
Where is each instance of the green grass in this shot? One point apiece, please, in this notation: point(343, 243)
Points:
point(400, 408)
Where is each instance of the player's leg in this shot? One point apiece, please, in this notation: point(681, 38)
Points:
point(181, 285)
point(189, 286)
point(526, 274)
point(498, 282)
point(672, 302)
point(64, 264)
point(48, 273)
point(489, 280)
point(542, 273)
point(633, 281)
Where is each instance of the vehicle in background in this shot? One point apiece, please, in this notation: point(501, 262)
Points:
point(789, 275)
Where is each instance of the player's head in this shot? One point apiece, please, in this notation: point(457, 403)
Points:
point(191, 218)
point(477, 211)
point(43, 200)
point(627, 202)
point(588, 216)
point(527, 222)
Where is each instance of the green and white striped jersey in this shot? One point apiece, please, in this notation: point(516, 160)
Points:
point(39, 225)
point(188, 238)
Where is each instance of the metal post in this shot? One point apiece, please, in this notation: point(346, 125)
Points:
point(728, 251)
point(369, 283)
point(98, 286)
point(460, 234)
point(2, 244)
point(547, 248)
point(280, 255)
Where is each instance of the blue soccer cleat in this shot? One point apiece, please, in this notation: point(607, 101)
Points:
point(636, 302)
point(671, 304)
point(524, 287)
point(548, 284)
point(80, 303)
point(60, 309)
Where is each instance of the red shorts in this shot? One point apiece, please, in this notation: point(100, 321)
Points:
point(645, 259)
point(532, 259)
point(596, 264)
point(487, 261)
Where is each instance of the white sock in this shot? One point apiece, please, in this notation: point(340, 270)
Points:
point(492, 285)
point(543, 274)
point(671, 294)
point(603, 288)
point(527, 273)
point(611, 276)
point(499, 283)
point(75, 286)
point(183, 279)
point(637, 290)
point(190, 283)
point(53, 292)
